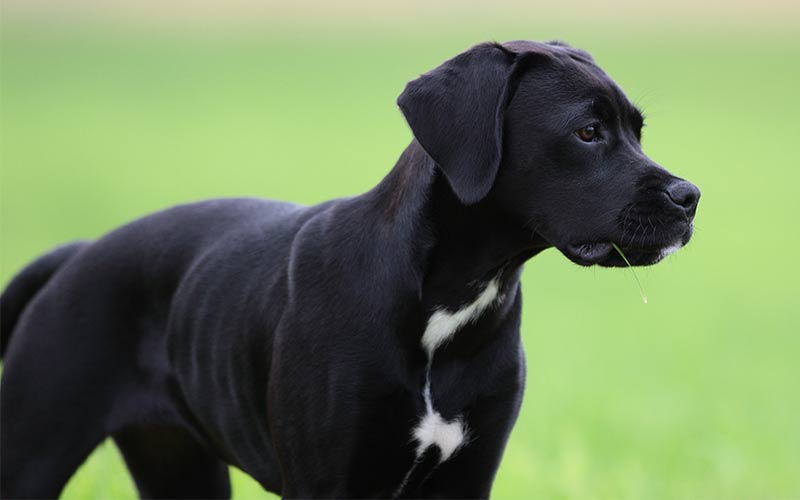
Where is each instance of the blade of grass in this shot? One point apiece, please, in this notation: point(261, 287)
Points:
point(633, 272)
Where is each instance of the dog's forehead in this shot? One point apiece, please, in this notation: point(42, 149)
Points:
point(553, 48)
point(575, 73)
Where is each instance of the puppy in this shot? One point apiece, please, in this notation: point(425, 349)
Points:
point(363, 347)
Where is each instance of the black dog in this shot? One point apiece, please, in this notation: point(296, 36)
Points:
point(366, 346)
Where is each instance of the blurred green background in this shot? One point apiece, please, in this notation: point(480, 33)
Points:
point(109, 113)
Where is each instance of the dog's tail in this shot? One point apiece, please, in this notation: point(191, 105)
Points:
point(25, 285)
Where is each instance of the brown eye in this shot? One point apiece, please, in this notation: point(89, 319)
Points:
point(588, 133)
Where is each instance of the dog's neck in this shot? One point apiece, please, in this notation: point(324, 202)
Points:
point(464, 246)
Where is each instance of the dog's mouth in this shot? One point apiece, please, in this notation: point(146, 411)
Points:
point(589, 253)
point(604, 254)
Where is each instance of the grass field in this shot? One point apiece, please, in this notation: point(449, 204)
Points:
point(695, 395)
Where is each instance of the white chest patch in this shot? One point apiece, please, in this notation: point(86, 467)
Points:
point(443, 324)
point(432, 429)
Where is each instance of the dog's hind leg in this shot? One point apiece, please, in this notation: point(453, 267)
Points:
point(40, 452)
point(50, 421)
point(69, 361)
point(166, 462)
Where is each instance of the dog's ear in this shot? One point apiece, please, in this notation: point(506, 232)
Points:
point(456, 114)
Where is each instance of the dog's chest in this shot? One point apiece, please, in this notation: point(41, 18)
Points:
point(432, 429)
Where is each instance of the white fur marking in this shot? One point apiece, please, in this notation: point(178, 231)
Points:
point(443, 324)
point(434, 430)
point(670, 250)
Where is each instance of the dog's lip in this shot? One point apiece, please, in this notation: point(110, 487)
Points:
point(590, 252)
point(602, 253)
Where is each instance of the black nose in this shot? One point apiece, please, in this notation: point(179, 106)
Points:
point(685, 195)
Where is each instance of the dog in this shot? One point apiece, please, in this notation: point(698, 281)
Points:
point(364, 347)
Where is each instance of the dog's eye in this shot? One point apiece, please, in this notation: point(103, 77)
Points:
point(589, 133)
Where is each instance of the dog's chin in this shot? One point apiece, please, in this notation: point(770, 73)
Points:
point(603, 253)
point(589, 253)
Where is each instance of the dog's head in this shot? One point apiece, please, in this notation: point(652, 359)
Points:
point(540, 131)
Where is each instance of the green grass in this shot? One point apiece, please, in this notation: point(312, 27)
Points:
point(693, 396)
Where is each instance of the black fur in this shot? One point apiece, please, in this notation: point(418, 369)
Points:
point(26, 285)
point(285, 340)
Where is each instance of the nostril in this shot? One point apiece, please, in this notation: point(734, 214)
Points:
point(684, 194)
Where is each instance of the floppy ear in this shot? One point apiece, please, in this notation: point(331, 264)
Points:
point(456, 114)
